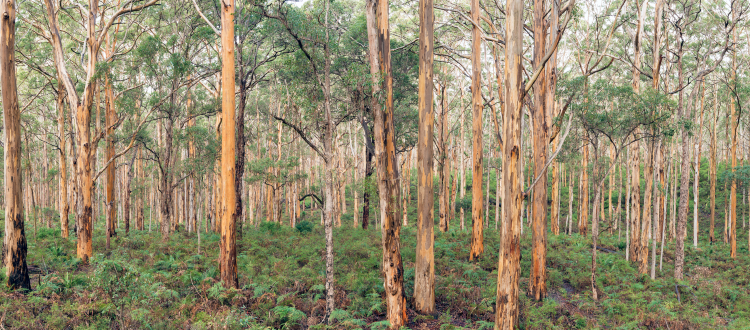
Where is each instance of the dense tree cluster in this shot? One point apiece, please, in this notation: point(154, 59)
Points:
point(217, 115)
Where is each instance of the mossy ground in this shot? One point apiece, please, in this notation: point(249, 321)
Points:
point(145, 283)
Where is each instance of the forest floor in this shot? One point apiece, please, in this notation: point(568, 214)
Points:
point(145, 283)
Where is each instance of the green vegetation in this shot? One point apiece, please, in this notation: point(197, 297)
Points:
point(143, 283)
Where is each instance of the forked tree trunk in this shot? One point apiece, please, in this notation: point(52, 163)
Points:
point(424, 273)
point(14, 241)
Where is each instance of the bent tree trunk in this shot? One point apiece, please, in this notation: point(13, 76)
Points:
point(16, 272)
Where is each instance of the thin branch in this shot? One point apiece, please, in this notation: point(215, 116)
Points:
point(549, 161)
point(206, 19)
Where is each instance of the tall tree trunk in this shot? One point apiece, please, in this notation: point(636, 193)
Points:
point(657, 206)
point(64, 205)
point(712, 172)
point(355, 192)
point(240, 147)
point(569, 217)
point(424, 273)
point(635, 174)
point(684, 176)
point(388, 185)
point(454, 186)
point(635, 203)
point(594, 239)
point(697, 168)
point(127, 192)
point(583, 194)
point(477, 237)
point(217, 202)
point(443, 169)
point(662, 202)
point(14, 241)
point(509, 266)
point(538, 277)
point(83, 163)
point(735, 126)
point(369, 153)
point(648, 175)
point(228, 249)
point(406, 198)
point(612, 225)
point(191, 200)
point(462, 154)
point(140, 196)
point(109, 114)
point(166, 196)
point(486, 193)
point(620, 186)
point(555, 212)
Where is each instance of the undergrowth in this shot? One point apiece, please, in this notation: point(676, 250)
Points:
point(146, 283)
